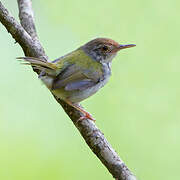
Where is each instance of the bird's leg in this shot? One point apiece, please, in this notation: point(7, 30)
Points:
point(79, 108)
point(87, 115)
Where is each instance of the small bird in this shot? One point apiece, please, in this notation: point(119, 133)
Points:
point(79, 74)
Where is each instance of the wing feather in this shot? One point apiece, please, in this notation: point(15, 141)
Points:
point(75, 78)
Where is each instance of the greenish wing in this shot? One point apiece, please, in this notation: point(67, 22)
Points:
point(76, 78)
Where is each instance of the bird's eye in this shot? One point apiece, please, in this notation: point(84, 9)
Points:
point(105, 48)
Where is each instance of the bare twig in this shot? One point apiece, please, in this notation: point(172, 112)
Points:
point(26, 17)
point(93, 136)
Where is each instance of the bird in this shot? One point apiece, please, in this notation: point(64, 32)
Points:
point(80, 73)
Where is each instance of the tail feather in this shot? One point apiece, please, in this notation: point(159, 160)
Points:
point(39, 64)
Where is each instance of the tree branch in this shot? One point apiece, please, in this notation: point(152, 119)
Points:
point(26, 17)
point(26, 36)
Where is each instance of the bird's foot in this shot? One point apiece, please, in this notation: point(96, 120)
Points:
point(86, 116)
point(80, 108)
point(85, 113)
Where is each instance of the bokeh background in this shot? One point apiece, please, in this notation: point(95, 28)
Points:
point(138, 110)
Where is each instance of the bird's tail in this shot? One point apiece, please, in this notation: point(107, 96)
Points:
point(40, 64)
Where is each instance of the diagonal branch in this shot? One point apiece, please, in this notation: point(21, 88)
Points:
point(20, 35)
point(26, 17)
point(26, 36)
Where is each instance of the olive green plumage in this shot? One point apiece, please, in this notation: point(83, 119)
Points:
point(81, 73)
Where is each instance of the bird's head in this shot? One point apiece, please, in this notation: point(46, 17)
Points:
point(103, 50)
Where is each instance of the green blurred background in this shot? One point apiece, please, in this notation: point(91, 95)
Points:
point(138, 111)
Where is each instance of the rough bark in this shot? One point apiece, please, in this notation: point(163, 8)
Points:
point(26, 17)
point(25, 34)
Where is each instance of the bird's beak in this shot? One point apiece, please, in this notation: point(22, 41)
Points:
point(124, 46)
